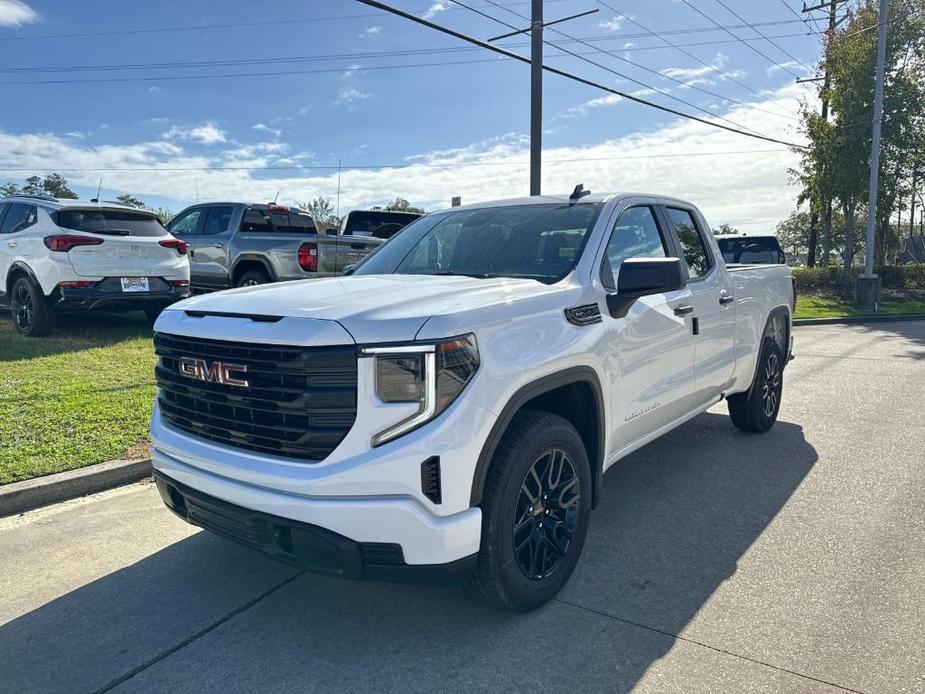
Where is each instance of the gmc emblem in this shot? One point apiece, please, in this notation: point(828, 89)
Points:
point(216, 372)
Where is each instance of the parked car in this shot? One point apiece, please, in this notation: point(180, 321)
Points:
point(234, 244)
point(748, 249)
point(67, 255)
point(450, 408)
point(379, 224)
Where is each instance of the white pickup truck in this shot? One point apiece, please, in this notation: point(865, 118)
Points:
point(450, 408)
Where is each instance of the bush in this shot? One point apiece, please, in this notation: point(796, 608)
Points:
point(816, 279)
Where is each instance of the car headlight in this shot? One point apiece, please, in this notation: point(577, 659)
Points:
point(430, 374)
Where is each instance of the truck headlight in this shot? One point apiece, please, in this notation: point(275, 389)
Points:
point(429, 374)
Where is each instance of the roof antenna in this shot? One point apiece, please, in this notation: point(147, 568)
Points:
point(578, 193)
point(276, 198)
point(98, 188)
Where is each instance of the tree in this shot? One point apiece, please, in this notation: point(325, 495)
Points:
point(322, 210)
point(725, 228)
point(56, 186)
point(399, 204)
point(8, 189)
point(127, 199)
point(836, 163)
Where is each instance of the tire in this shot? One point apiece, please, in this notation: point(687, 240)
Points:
point(252, 278)
point(33, 315)
point(548, 445)
point(757, 409)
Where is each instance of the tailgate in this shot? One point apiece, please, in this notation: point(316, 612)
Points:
point(126, 256)
point(352, 249)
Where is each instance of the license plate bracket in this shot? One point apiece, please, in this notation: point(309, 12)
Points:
point(135, 284)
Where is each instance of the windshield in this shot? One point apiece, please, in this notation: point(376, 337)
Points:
point(540, 242)
point(114, 222)
point(758, 250)
point(381, 225)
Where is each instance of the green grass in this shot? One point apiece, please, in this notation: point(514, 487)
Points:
point(81, 396)
point(817, 306)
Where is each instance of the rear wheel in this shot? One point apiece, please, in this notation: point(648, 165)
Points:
point(535, 512)
point(32, 313)
point(252, 278)
point(757, 409)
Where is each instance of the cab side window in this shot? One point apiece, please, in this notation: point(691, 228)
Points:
point(217, 220)
point(635, 235)
point(186, 225)
point(692, 244)
point(19, 217)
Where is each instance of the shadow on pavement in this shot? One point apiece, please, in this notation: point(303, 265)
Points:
point(674, 520)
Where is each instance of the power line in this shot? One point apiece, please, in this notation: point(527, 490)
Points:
point(702, 62)
point(761, 34)
point(567, 75)
point(806, 22)
point(627, 77)
point(738, 38)
point(370, 167)
point(352, 56)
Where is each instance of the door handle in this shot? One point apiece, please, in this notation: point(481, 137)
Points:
point(683, 310)
point(11, 244)
point(218, 245)
point(726, 300)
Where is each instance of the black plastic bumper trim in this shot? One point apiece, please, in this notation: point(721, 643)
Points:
point(305, 545)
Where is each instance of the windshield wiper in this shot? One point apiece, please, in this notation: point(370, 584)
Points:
point(447, 273)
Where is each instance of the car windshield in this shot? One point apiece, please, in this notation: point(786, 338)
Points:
point(115, 222)
point(540, 242)
point(757, 250)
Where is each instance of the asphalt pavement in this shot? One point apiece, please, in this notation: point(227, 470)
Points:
point(718, 561)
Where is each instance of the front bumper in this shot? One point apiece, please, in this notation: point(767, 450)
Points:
point(310, 546)
point(107, 293)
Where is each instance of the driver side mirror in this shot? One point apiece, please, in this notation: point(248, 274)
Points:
point(642, 277)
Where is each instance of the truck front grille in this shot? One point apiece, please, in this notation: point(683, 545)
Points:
point(300, 402)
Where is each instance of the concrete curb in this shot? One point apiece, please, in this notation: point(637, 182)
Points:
point(50, 489)
point(887, 318)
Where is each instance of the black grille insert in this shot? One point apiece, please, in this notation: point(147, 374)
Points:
point(300, 402)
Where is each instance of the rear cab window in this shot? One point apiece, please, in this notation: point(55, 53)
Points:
point(375, 223)
point(693, 246)
point(758, 250)
point(111, 222)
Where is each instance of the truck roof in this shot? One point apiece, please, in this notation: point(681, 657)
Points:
point(564, 199)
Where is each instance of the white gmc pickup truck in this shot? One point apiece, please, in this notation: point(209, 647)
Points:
point(450, 408)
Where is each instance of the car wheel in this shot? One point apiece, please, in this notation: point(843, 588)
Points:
point(757, 409)
point(535, 512)
point(252, 278)
point(32, 314)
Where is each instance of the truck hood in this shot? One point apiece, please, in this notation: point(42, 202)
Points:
point(372, 308)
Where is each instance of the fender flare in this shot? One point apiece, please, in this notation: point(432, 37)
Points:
point(246, 258)
point(545, 384)
point(19, 266)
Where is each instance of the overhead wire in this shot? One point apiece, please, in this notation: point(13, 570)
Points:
point(761, 34)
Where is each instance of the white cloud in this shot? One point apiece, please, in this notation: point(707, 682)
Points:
point(350, 71)
point(76, 134)
point(370, 32)
point(207, 133)
point(15, 13)
point(348, 97)
point(750, 191)
point(436, 8)
point(611, 24)
point(261, 127)
point(629, 44)
point(782, 67)
point(154, 91)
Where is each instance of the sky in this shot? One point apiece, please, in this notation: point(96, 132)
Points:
point(232, 100)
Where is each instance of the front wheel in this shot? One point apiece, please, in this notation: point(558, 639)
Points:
point(32, 314)
point(535, 512)
point(757, 409)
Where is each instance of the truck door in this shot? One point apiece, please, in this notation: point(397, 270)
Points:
point(713, 301)
point(210, 246)
point(650, 351)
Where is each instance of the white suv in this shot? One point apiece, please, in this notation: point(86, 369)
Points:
point(58, 255)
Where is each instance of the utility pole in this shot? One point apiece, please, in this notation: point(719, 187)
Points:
point(868, 288)
point(337, 212)
point(536, 96)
